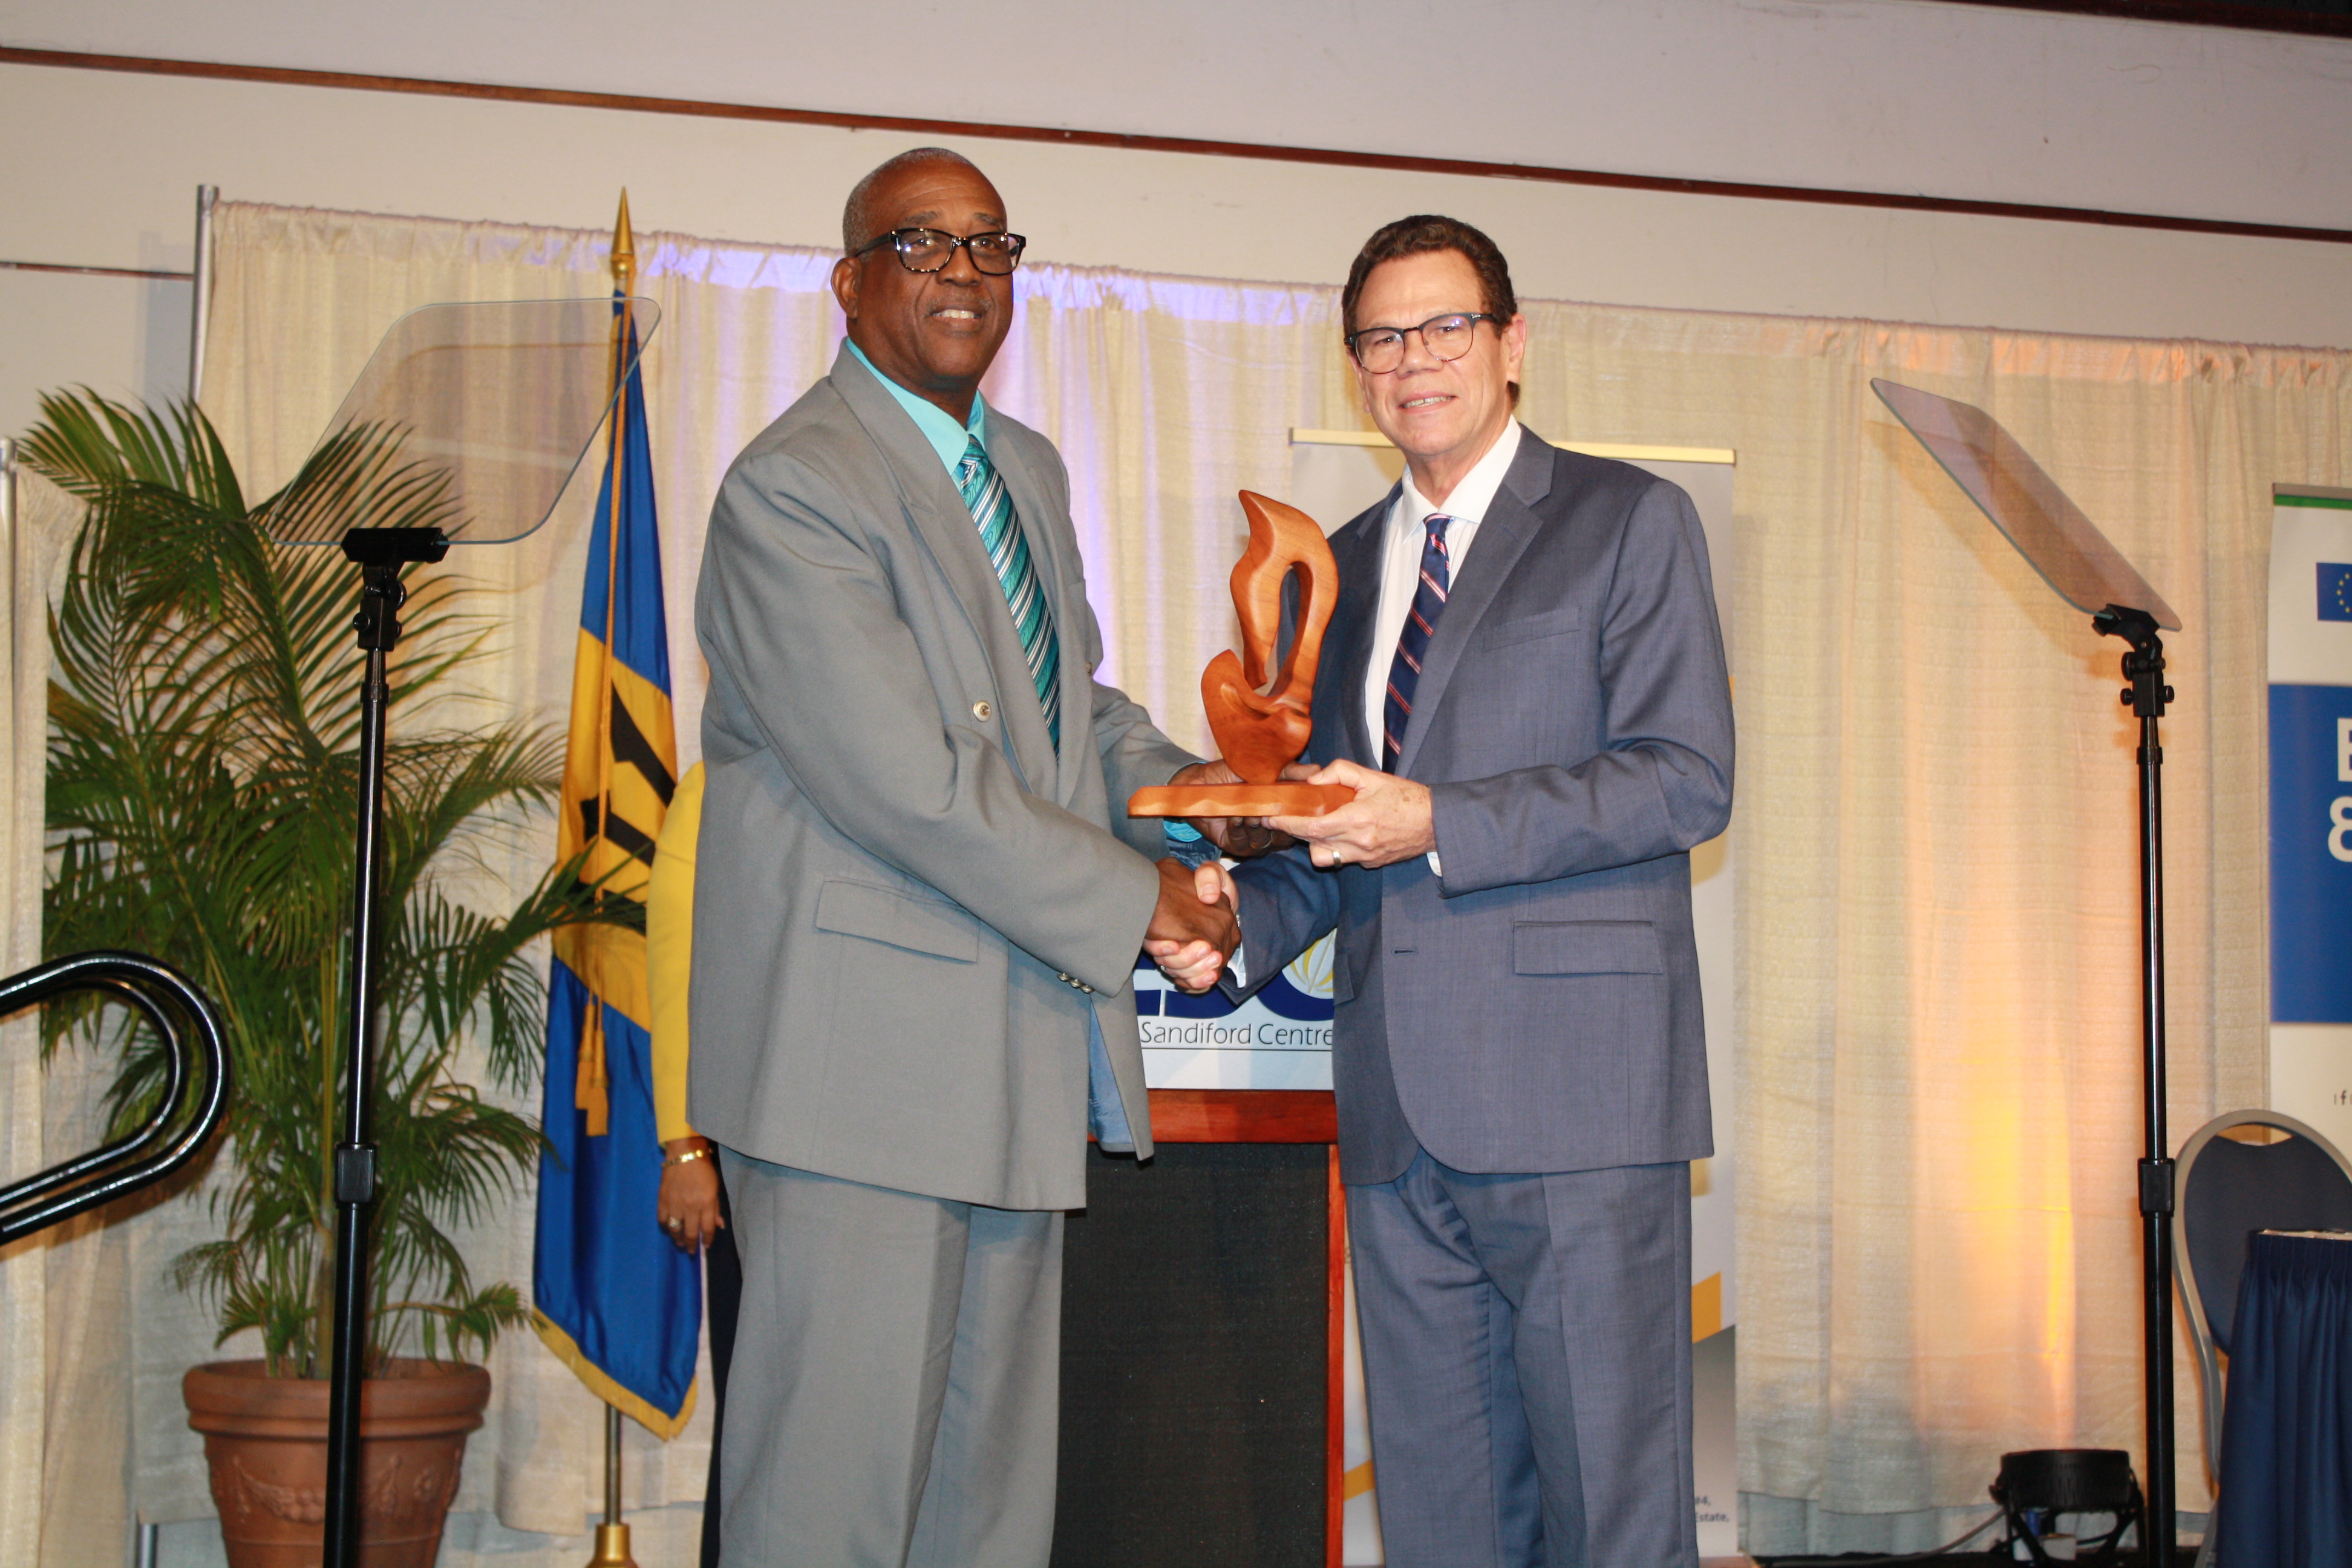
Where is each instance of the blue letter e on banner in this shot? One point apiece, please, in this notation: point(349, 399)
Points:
point(2311, 847)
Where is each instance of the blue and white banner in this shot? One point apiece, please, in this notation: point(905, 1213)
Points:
point(1279, 1038)
point(2310, 809)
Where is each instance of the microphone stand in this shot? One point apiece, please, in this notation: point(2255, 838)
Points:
point(381, 553)
point(2146, 697)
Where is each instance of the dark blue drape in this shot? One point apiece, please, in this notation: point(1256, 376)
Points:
point(2286, 1431)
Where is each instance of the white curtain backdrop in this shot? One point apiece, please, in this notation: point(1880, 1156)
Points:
point(1936, 1000)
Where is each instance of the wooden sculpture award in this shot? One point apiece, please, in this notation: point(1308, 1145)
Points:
point(1260, 732)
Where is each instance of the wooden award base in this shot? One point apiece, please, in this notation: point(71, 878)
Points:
point(1239, 800)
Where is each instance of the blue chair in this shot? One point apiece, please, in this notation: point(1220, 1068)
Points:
point(2225, 1189)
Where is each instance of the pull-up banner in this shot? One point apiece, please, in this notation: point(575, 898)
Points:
point(2311, 808)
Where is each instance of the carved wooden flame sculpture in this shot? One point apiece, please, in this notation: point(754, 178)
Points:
point(1260, 732)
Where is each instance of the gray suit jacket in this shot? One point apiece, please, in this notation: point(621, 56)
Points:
point(907, 905)
point(1537, 1009)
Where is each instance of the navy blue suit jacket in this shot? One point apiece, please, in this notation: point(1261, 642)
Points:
point(1537, 1009)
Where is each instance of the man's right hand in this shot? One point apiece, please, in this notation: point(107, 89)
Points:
point(1192, 934)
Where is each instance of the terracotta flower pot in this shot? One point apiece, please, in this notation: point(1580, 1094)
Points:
point(266, 1440)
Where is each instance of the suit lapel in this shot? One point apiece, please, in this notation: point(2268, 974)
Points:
point(1359, 548)
point(1504, 535)
point(935, 510)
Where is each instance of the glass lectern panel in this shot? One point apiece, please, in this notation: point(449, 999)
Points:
point(478, 413)
point(2050, 530)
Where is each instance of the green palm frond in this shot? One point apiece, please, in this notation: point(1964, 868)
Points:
point(204, 723)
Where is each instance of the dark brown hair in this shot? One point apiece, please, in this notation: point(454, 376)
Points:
point(1421, 235)
point(1418, 235)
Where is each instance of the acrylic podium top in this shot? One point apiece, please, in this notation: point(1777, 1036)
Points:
point(2050, 530)
point(473, 416)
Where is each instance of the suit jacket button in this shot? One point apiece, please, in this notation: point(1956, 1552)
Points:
point(985, 710)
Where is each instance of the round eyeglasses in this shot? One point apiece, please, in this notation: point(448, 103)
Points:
point(1448, 337)
point(931, 249)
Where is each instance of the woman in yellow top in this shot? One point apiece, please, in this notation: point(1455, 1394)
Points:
point(692, 1205)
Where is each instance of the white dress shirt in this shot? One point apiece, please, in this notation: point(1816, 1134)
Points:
point(1401, 575)
point(1400, 566)
point(1401, 560)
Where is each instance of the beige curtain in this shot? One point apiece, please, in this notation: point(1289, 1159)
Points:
point(1938, 1000)
point(26, 529)
point(1937, 1008)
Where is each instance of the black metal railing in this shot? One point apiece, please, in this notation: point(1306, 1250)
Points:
point(174, 1134)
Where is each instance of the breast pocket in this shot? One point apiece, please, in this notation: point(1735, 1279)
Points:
point(1551, 622)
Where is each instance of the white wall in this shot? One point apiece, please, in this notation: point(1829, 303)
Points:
point(119, 155)
point(1894, 95)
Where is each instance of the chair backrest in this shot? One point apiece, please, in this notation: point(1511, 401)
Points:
point(2230, 1189)
point(2223, 1191)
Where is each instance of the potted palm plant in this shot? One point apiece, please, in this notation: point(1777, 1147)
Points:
point(202, 768)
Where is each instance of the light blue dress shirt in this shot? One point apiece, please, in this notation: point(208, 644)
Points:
point(948, 438)
point(1105, 1115)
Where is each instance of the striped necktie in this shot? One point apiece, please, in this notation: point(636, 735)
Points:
point(1404, 671)
point(1016, 574)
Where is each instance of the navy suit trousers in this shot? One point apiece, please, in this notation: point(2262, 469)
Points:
point(1528, 1363)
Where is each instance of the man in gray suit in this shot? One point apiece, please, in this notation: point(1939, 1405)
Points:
point(1523, 681)
point(917, 915)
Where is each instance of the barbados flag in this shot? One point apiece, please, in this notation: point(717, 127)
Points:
point(615, 1299)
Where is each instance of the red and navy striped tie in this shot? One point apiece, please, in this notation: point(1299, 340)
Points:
point(1404, 671)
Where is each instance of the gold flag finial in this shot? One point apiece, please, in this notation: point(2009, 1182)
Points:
point(625, 249)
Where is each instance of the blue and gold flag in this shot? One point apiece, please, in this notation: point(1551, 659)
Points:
point(615, 1299)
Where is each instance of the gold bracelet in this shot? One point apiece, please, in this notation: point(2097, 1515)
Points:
point(680, 1159)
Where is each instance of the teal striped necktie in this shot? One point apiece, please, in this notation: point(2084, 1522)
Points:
point(1016, 574)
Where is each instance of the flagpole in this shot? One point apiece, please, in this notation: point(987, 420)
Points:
point(613, 1535)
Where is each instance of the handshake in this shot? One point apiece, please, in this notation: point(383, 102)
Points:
point(1195, 929)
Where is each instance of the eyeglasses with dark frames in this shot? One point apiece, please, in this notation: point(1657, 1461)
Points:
point(931, 249)
point(1448, 337)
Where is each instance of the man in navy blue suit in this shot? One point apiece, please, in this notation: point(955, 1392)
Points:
point(1524, 682)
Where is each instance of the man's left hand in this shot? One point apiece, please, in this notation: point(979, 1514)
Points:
point(1239, 836)
point(1386, 822)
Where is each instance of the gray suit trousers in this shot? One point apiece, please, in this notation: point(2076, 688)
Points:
point(898, 1406)
point(1526, 1361)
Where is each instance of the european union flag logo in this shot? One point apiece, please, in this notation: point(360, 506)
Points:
point(2335, 591)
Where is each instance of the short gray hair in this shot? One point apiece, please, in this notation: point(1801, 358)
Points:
point(857, 220)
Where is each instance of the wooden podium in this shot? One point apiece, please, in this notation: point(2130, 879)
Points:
point(1201, 1334)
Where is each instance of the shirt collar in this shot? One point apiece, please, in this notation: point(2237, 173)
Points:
point(1476, 493)
point(948, 438)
